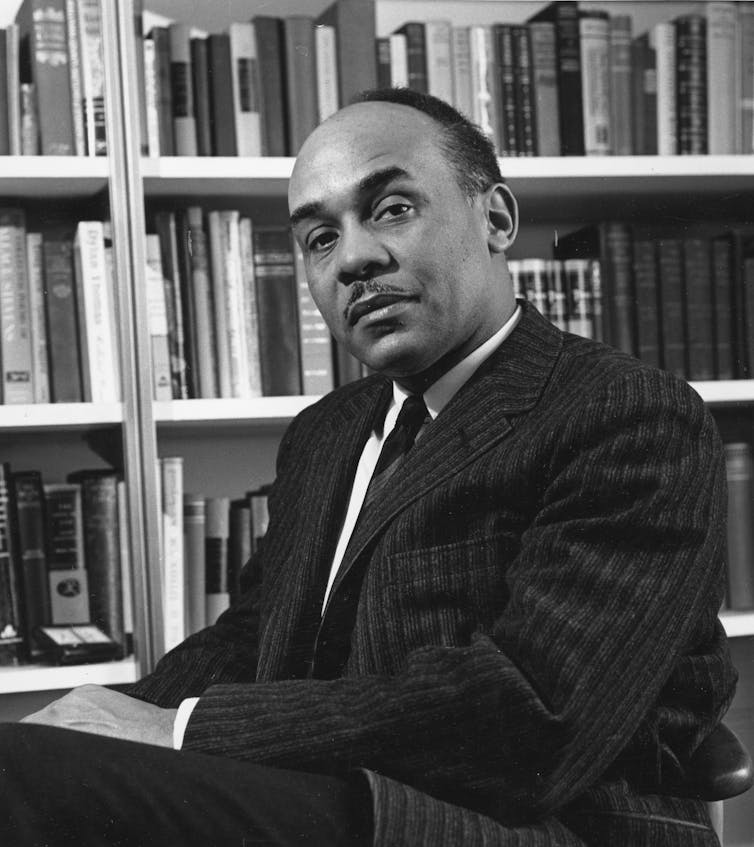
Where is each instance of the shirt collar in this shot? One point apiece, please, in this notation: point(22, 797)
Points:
point(439, 394)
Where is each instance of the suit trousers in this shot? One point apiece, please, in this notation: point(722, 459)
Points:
point(62, 787)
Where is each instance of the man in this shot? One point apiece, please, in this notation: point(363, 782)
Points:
point(508, 635)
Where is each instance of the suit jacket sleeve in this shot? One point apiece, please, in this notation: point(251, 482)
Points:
point(617, 578)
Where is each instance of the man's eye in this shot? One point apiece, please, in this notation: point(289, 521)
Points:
point(320, 241)
point(393, 210)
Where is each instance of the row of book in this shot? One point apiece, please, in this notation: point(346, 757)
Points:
point(575, 81)
point(206, 541)
point(739, 465)
point(679, 300)
point(64, 557)
point(58, 312)
point(230, 311)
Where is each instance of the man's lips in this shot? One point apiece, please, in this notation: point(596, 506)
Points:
point(372, 303)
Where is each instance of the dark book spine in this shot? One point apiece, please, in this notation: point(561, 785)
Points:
point(272, 79)
point(222, 113)
point(354, 23)
point(194, 562)
point(5, 131)
point(647, 302)
point(691, 83)
point(12, 648)
point(161, 38)
point(200, 87)
point(722, 284)
point(739, 472)
point(216, 556)
point(99, 500)
point(301, 79)
point(239, 544)
point(545, 85)
point(618, 285)
point(275, 277)
point(28, 500)
point(166, 229)
point(506, 88)
point(670, 263)
point(416, 49)
point(382, 48)
point(644, 100)
point(188, 311)
point(181, 90)
point(526, 130)
point(697, 271)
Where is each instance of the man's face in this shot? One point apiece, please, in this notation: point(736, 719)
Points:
point(397, 257)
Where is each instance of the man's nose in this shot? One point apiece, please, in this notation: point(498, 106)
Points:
point(360, 254)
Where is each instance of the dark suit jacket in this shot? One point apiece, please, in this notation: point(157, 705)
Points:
point(522, 646)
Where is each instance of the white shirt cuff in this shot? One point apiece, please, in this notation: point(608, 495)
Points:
point(181, 721)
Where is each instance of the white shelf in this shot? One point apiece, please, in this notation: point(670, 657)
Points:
point(256, 410)
point(207, 175)
point(59, 415)
point(725, 391)
point(49, 678)
point(53, 176)
point(738, 624)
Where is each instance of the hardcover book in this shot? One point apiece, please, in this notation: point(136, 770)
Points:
point(12, 648)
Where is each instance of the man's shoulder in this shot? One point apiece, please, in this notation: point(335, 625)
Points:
point(344, 400)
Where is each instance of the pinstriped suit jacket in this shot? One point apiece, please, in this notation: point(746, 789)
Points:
point(523, 646)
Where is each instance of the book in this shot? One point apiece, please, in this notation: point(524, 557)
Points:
point(12, 646)
point(153, 117)
point(301, 78)
point(201, 95)
point(672, 306)
point(354, 25)
point(181, 90)
point(158, 322)
point(4, 97)
point(251, 312)
point(38, 326)
point(439, 55)
point(416, 55)
point(138, 35)
point(382, 48)
point(12, 49)
point(691, 83)
point(202, 330)
point(92, 76)
point(29, 522)
point(483, 100)
point(722, 75)
point(183, 249)
point(545, 87)
point(270, 50)
point(15, 322)
point(222, 109)
point(504, 89)
point(126, 568)
point(94, 298)
point(29, 120)
point(722, 287)
point(194, 561)
point(160, 37)
point(525, 107)
point(99, 502)
point(461, 67)
point(217, 530)
point(745, 71)
point(325, 48)
point(276, 303)
point(239, 543)
point(66, 563)
point(75, 79)
point(620, 35)
point(565, 16)
point(699, 307)
point(594, 50)
point(173, 578)
point(646, 288)
point(662, 38)
point(742, 241)
point(577, 285)
point(739, 469)
point(398, 60)
point(61, 311)
point(315, 341)
point(45, 64)
point(245, 88)
point(644, 96)
point(165, 225)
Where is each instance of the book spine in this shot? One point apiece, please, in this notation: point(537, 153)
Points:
point(647, 305)
point(245, 88)
point(203, 332)
point(317, 372)
point(595, 80)
point(354, 22)
point(4, 96)
point(29, 121)
point(39, 352)
point(28, 498)
point(91, 271)
point(526, 129)
point(151, 96)
point(92, 76)
point(745, 54)
point(68, 588)
point(437, 39)
point(644, 100)
point(461, 66)
point(739, 472)
point(382, 46)
point(166, 229)
point(15, 320)
point(217, 531)
point(158, 321)
point(301, 78)
point(194, 562)
point(274, 107)
point(14, 89)
point(569, 78)
point(173, 601)
point(556, 294)
point(617, 280)
point(181, 90)
point(12, 647)
point(662, 39)
point(126, 568)
point(327, 70)
point(506, 89)
point(545, 87)
point(620, 84)
point(219, 304)
point(691, 83)
point(200, 91)
point(722, 280)
point(722, 74)
point(74, 67)
point(222, 109)
point(533, 283)
point(239, 544)
point(398, 60)
point(416, 56)
point(670, 263)
point(238, 355)
point(482, 88)
point(576, 279)
point(697, 271)
point(251, 312)
point(161, 41)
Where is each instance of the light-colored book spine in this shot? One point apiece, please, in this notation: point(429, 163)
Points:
point(39, 351)
point(723, 80)
point(745, 59)
point(315, 341)
point(158, 321)
point(219, 303)
point(398, 60)
point(92, 76)
point(327, 70)
point(29, 121)
point(544, 59)
point(111, 279)
point(662, 40)
point(243, 52)
point(174, 599)
point(620, 84)
point(152, 100)
point(251, 312)
point(91, 272)
point(482, 65)
point(15, 319)
point(238, 354)
point(595, 80)
point(74, 67)
point(461, 46)
point(439, 59)
point(14, 88)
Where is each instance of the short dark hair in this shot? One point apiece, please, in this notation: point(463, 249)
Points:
point(469, 151)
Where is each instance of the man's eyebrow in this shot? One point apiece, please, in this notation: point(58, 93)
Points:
point(370, 182)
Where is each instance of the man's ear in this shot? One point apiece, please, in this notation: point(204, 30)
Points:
point(502, 218)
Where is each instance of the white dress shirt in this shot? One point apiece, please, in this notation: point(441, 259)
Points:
point(436, 397)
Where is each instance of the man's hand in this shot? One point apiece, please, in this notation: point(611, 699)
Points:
point(92, 708)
